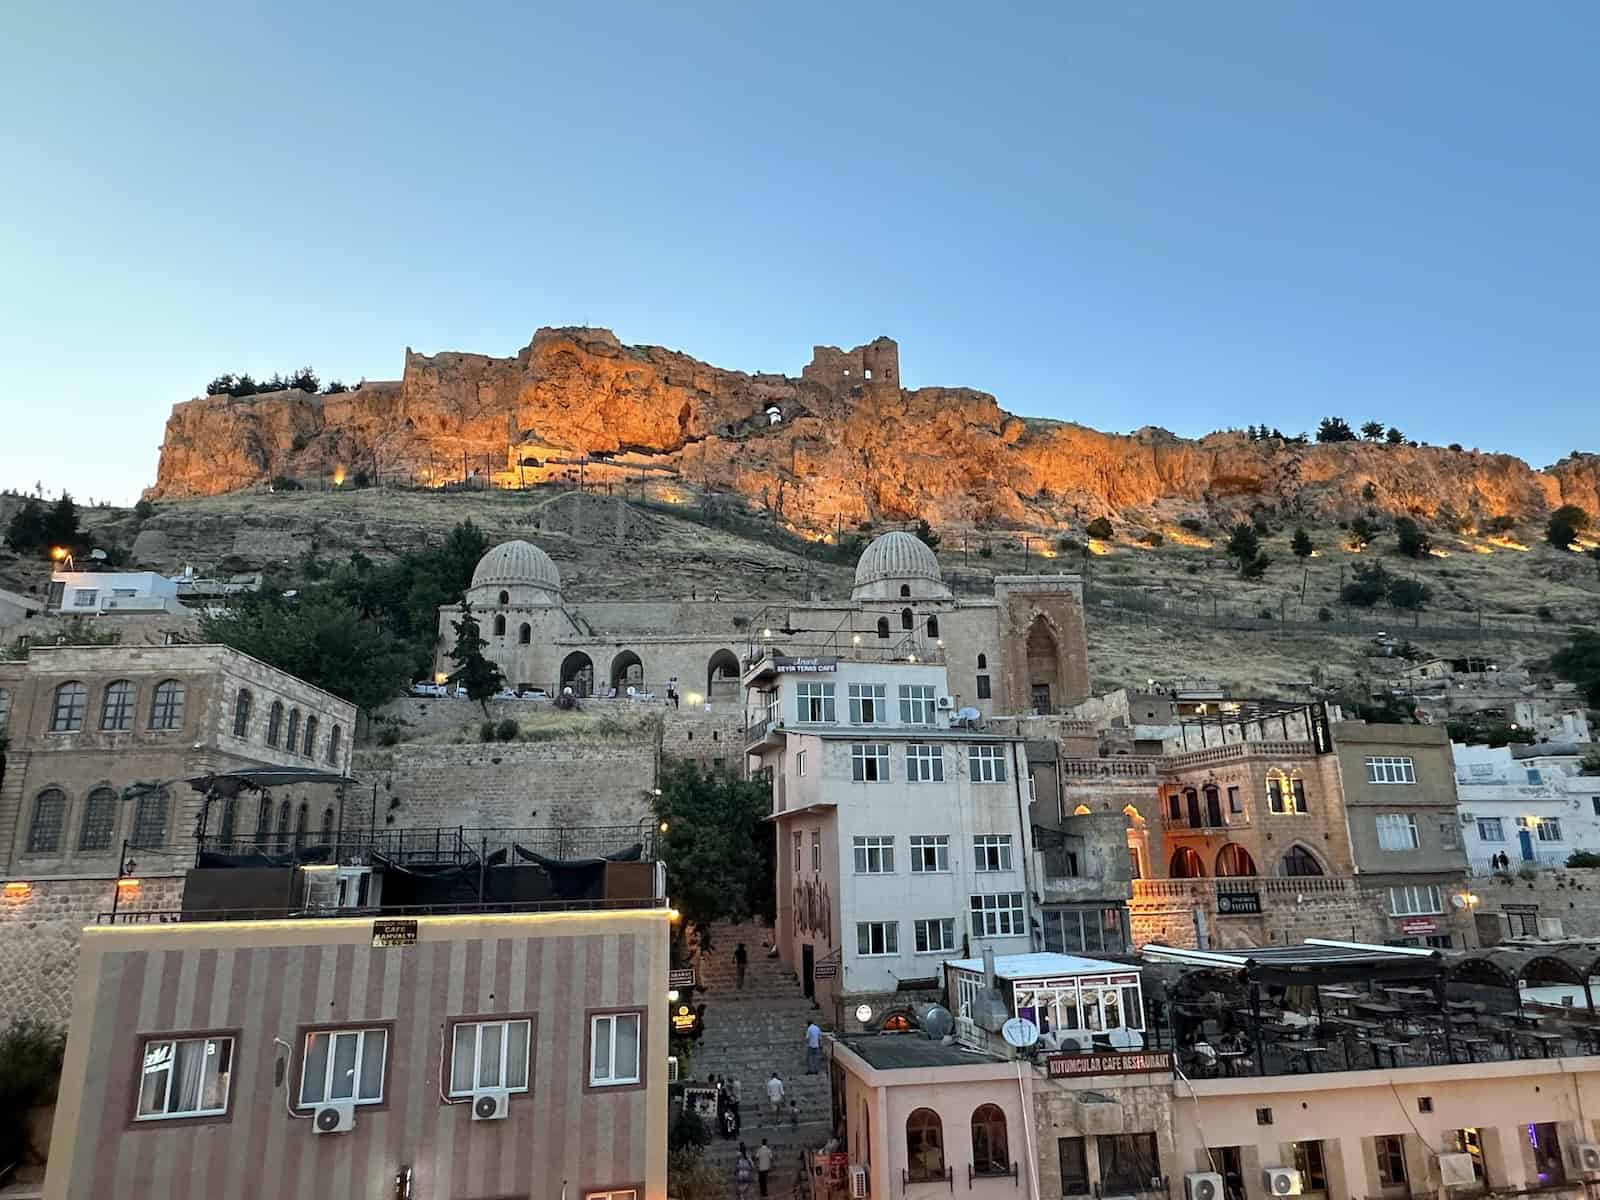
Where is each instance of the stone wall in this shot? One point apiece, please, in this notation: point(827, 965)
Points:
point(1570, 895)
point(41, 925)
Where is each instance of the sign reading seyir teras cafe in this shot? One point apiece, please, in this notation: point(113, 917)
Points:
point(1134, 1062)
point(805, 666)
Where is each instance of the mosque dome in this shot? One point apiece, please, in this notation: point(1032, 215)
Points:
point(514, 566)
point(898, 564)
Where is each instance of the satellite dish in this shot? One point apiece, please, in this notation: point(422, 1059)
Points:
point(1020, 1032)
point(863, 1013)
point(98, 555)
point(969, 714)
point(937, 1022)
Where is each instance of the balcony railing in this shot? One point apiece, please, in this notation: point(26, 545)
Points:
point(1291, 889)
point(174, 916)
point(1238, 752)
point(453, 845)
point(1111, 768)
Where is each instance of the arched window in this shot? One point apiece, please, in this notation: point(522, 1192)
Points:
point(5, 709)
point(166, 709)
point(335, 737)
point(230, 818)
point(505, 597)
point(883, 627)
point(1298, 861)
point(499, 624)
point(241, 714)
point(983, 662)
point(1186, 864)
point(907, 621)
point(302, 824)
point(275, 723)
point(150, 819)
point(327, 826)
point(66, 715)
point(1213, 798)
point(292, 742)
point(1234, 859)
point(116, 707)
point(524, 634)
point(924, 1146)
point(49, 818)
point(285, 815)
point(310, 742)
point(990, 1153)
point(264, 820)
point(905, 591)
point(99, 819)
point(933, 627)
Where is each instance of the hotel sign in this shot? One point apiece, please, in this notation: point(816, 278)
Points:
point(394, 932)
point(1416, 925)
point(1238, 904)
point(1131, 1062)
point(680, 977)
point(805, 666)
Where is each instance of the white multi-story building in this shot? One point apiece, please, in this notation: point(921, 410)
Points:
point(112, 591)
point(903, 838)
point(1529, 803)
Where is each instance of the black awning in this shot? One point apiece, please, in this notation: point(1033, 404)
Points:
point(1312, 963)
point(254, 779)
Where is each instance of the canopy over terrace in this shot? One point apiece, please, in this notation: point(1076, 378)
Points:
point(230, 785)
point(1510, 968)
point(1314, 963)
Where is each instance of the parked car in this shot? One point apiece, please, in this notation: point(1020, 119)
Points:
point(535, 694)
point(425, 688)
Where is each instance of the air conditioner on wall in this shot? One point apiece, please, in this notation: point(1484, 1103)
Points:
point(672, 1068)
point(334, 1118)
point(858, 1182)
point(1587, 1156)
point(944, 704)
point(1202, 1185)
point(1281, 1181)
point(1455, 1170)
point(491, 1104)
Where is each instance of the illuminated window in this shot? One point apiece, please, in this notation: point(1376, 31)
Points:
point(185, 1077)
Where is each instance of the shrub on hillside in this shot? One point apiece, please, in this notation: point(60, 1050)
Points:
point(486, 731)
point(507, 730)
point(1100, 528)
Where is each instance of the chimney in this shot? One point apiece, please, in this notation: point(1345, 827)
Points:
point(988, 967)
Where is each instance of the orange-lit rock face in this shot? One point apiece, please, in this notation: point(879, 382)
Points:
point(847, 443)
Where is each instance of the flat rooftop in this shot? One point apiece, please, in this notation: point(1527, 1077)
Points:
point(1038, 966)
point(907, 1051)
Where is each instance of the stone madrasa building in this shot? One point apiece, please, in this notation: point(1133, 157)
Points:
point(1021, 649)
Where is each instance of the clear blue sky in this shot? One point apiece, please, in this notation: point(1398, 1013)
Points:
point(1188, 215)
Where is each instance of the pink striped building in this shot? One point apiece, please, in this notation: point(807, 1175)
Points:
point(203, 1056)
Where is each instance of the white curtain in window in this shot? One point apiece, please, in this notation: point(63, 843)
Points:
point(190, 1071)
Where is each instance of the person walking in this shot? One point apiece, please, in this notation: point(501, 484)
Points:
point(763, 1164)
point(813, 1048)
point(775, 1097)
point(744, 1174)
point(741, 960)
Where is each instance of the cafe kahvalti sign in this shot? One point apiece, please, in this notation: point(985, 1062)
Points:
point(820, 665)
point(1126, 1062)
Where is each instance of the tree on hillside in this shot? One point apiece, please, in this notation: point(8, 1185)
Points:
point(927, 535)
point(1579, 662)
point(719, 849)
point(1244, 547)
point(1566, 523)
point(1099, 528)
point(1395, 437)
point(1372, 431)
point(1408, 593)
point(474, 671)
point(26, 531)
point(61, 523)
point(1362, 531)
point(305, 379)
point(1301, 544)
point(1335, 429)
point(1410, 538)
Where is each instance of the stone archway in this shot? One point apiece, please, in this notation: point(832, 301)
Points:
point(1186, 864)
point(722, 676)
point(627, 671)
point(577, 672)
point(1300, 862)
point(1234, 860)
point(1047, 683)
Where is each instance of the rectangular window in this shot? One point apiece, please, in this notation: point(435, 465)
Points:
point(1549, 830)
point(874, 855)
point(343, 1064)
point(1391, 1153)
point(85, 597)
point(876, 939)
point(1084, 931)
point(1534, 776)
point(816, 850)
point(1490, 830)
point(929, 853)
point(1415, 900)
point(1074, 1166)
point(1449, 833)
point(615, 1194)
point(983, 687)
point(797, 854)
point(800, 763)
point(1175, 807)
point(1308, 1161)
point(814, 703)
point(998, 915)
point(916, 704)
point(935, 936)
point(1128, 1163)
point(1397, 831)
point(1438, 941)
point(614, 1049)
point(489, 1054)
point(924, 763)
point(869, 762)
point(867, 704)
point(991, 852)
point(1235, 803)
point(1383, 769)
point(1285, 795)
point(185, 1077)
point(986, 763)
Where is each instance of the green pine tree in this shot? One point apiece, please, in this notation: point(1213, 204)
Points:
point(475, 672)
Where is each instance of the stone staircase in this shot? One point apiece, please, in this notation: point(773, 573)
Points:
point(750, 1033)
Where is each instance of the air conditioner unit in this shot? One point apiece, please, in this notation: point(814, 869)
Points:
point(672, 1068)
point(1455, 1170)
point(1202, 1185)
point(334, 1118)
point(858, 1182)
point(491, 1105)
point(944, 704)
point(1281, 1181)
point(1588, 1157)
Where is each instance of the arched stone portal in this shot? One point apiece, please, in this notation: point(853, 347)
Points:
point(627, 671)
point(1047, 685)
point(577, 672)
point(722, 676)
point(1186, 864)
point(1234, 860)
point(1298, 862)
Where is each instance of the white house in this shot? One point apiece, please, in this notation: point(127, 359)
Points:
point(112, 591)
point(902, 828)
point(1529, 803)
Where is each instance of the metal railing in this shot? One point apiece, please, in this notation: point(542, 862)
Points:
point(173, 916)
point(458, 845)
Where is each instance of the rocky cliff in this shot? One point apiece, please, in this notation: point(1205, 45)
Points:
point(844, 442)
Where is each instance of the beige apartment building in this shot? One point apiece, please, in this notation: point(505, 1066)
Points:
point(465, 1056)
